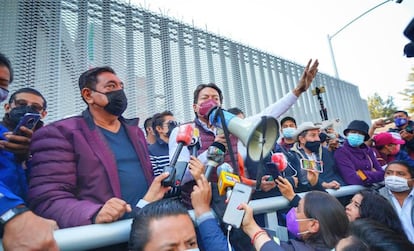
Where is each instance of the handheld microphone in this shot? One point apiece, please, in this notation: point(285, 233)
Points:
point(280, 160)
point(195, 144)
point(226, 179)
point(184, 136)
point(215, 156)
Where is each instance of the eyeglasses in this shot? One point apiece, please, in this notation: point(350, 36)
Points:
point(22, 102)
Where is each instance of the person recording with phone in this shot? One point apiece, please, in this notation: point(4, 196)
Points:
point(313, 156)
point(20, 228)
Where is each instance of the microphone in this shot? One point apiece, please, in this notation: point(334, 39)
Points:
point(215, 156)
point(195, 144)
point(280, 160)
point(226, 179)
point(184, 136)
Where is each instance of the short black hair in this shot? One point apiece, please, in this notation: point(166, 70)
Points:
point(140, 232)
point(147, 124)
point(89, 78)
point(402, 111)
point(4, 61)
point(235, 111)
point(159, 118)
point(28, 90)
point(287, 118)
point(410, 168)
point(202, 86)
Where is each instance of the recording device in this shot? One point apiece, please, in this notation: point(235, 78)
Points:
point(308, 164)
point(215, 156)
point(195, 144)
point(29, 120)
point(241, 194)
point(184, 136)
point(226, 179)
point(388, 121)
point(271, 169)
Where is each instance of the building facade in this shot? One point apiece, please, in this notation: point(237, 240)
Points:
point(160, 60)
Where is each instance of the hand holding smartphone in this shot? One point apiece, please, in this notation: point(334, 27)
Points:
point(233, 216)
point(29, 120)
point(314, 165)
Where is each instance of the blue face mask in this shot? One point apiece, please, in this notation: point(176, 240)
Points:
point(400, 122)
point(355, 139)
point(3, 94)
point(288, 132)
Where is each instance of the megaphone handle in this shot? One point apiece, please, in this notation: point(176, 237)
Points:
point(220, 114)
point(260, 172)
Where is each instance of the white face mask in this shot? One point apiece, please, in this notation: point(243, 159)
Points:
point(193, 249)
point(396, 183)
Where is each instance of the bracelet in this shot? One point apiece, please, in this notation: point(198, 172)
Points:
point(257, 234)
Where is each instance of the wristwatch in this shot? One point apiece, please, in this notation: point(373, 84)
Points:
point(11, 213)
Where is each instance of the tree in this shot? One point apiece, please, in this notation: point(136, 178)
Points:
point(378, 108)
point(408, 93)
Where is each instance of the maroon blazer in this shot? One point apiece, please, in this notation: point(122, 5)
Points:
point(73, 171)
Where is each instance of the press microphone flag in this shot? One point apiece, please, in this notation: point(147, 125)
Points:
point(184, 136)
point(226, 178)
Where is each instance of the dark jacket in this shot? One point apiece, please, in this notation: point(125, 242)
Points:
point(351, 159)
point(74, 171)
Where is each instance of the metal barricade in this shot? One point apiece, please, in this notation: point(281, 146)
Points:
point(100, 235)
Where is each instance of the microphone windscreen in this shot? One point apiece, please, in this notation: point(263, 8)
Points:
point(225, 167)
point(219, 146)
point(185, 134)
point(280, 160)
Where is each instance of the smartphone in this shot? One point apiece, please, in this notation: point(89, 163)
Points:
point(388, 121)
point(272, 170)
point(233, 216)
point(308, 164)
point(29, 120)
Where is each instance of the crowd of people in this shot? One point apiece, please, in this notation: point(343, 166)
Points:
point(99, 167)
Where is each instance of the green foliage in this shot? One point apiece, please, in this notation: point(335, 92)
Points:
point(378, 108)
point(408, 93)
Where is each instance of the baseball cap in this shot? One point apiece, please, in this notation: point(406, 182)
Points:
point(385, 138)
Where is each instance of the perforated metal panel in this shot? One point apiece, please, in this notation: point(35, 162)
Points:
point(160, 60)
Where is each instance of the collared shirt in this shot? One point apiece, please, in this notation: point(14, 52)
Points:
point(404, 213)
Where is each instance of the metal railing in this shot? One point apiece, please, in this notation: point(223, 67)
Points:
point(100, 235)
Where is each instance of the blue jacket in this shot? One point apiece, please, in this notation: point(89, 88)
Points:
point(13, 183)
point(211, 236)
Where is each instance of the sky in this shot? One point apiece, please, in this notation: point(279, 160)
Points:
point(368, 53)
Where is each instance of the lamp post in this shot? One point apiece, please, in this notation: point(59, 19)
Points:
point(345, 26)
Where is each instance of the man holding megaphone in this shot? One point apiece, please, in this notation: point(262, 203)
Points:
point(207, 96)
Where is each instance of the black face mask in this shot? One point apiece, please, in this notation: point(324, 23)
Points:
point(313, 146)
point(12, 118)
point(117, 102)
point(171, 126)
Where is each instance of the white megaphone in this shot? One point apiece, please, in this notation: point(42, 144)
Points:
point(257, 141)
